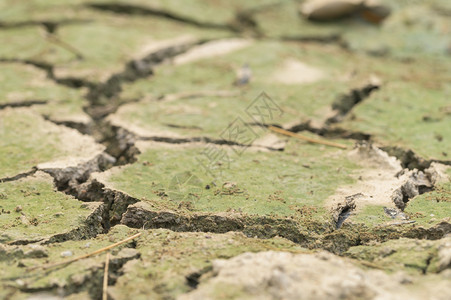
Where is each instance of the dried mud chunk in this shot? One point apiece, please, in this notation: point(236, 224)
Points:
point(374, 11)
point(437, 173)
point(416, 184)
point(309, 276)
point(444, 255)
point(327, 10)
point(372, 156)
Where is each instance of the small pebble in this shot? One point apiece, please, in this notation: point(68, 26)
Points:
point(243, 75)
point(66, 253)
point(20, 282)
point(18, 208)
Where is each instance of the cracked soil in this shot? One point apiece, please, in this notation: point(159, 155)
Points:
point(154, 117)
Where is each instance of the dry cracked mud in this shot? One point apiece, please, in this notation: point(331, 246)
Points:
point(161, 121)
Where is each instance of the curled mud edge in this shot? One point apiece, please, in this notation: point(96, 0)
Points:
point(384, 182)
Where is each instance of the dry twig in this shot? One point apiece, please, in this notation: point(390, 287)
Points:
point(48, 266)
point(305, 138)
point(198, 94)
point(105, 277)
point(52, 38)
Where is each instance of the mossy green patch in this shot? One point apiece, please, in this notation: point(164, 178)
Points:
point(406, 115)
point(274, 66)
point(22, 43)
point(32, 210)
point(25, 84)
point(263, 183)
point(271, 64)
point(107, 45)
point(210, 116)
point(21, 147)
